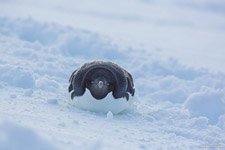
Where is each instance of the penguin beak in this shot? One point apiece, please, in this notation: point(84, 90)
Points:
point(100, 84)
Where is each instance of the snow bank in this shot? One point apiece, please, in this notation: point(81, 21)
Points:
point(15, 137)
point(221, 122)
point(47, 83)
point(87, 45)
point(207, 102)
point(63, 40)
point(16, 76)
point(30, 30)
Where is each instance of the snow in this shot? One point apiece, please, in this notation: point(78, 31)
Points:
point(173, 49)
point(109, 115)
point(203, 102)
point(13, 137)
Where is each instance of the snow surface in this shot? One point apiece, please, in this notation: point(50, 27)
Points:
point(173, 49)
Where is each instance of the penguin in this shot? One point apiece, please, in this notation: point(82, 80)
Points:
point(96, 80)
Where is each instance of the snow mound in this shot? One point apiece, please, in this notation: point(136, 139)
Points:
point(47, 83)
point(66, 41)
point(221, 122)
point(15, 137)
point(16, 76)
point(108, 104)
point(207, 102)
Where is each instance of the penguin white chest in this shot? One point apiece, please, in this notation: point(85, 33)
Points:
point(87, 102)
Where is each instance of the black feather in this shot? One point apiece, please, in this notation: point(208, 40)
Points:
point(121, 81)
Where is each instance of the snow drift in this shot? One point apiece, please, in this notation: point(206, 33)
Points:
point(177, 106)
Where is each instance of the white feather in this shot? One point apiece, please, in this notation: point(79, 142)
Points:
point(87, 102)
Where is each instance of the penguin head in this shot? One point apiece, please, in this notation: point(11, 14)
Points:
point(99, 87)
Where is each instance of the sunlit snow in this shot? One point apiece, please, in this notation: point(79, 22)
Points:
point(174, 50)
